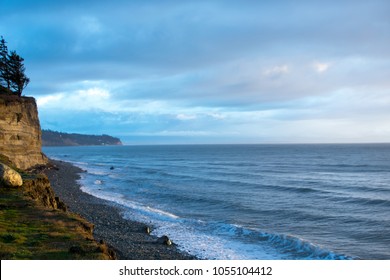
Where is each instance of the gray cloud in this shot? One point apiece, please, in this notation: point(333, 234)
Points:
point(237, 56)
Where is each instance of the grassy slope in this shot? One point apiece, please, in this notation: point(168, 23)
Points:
point(28, 231)
point(31, 231)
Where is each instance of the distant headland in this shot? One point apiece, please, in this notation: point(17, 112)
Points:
point(55, 138)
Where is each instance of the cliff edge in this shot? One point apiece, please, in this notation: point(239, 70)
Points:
point(20, 131)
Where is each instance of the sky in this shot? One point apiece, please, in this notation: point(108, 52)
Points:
point(192, 72)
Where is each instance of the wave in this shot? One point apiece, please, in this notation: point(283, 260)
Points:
point(301, 249)
point(98, 182)
point(346, 165)
point(97, 172)
point(120, 199)
point(231, 241)
point(287, 246)
point(289, 202)
point(368, 201)
point(80, 164)
point(354, 168)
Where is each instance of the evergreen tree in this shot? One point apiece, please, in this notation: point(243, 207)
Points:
point(12, 70)
point(18, 79)
point(4, 67)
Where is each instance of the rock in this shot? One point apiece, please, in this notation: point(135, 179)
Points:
point(39, 189)
point(20, 131)
point(10, 177)
point(112, 168)
point(164, 240)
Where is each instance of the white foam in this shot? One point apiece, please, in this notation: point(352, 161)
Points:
point(119, 199)
point(203, 244)
point(207, 240)
point(96, 171)
point(161, 212)
point(206, 245)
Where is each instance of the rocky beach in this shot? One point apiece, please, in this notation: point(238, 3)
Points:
point(129, 239)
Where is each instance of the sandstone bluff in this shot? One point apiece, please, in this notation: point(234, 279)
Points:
point(20, 131)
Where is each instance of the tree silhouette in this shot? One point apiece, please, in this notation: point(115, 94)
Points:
point(16, 69)
point(4, 67)
point(12, 70)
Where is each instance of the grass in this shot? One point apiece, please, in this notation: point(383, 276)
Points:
point(28, 231)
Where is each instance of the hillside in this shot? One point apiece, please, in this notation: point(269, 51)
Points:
point(54, 138)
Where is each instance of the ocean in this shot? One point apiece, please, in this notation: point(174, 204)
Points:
point(249, 201)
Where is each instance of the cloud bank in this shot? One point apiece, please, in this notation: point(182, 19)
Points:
point(207, 71)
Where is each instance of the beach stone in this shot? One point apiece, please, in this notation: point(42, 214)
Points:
point(164, 240)
point(10, 177)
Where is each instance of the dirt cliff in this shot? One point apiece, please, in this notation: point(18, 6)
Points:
point(20, 131)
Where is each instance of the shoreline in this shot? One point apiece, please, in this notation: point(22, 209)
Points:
point(126, 237)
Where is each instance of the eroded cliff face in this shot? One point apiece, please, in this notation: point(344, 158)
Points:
point(20, 131)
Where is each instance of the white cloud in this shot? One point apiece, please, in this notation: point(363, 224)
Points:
point(95, 93)
point(47, 100)
point(276, 70)
point(217, 116)
point(321, 67)
point(185, 117)
point(85, 99)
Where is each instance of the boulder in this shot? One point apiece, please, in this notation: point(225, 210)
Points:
point(164, 240)
point(10, 177)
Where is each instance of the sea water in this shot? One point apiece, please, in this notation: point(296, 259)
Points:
point(249, 201)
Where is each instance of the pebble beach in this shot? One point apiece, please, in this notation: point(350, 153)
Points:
point(129, 239)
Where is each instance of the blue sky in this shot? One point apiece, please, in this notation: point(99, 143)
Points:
point(176, 71)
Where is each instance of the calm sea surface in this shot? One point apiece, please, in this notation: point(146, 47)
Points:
point(249, 201)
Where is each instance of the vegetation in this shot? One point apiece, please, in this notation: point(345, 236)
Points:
point(12, 77)
point(54, 138)
point(29, 229)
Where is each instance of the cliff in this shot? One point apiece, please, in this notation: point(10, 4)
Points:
point(20, 131)
point(35, 224)
point(54, 138)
